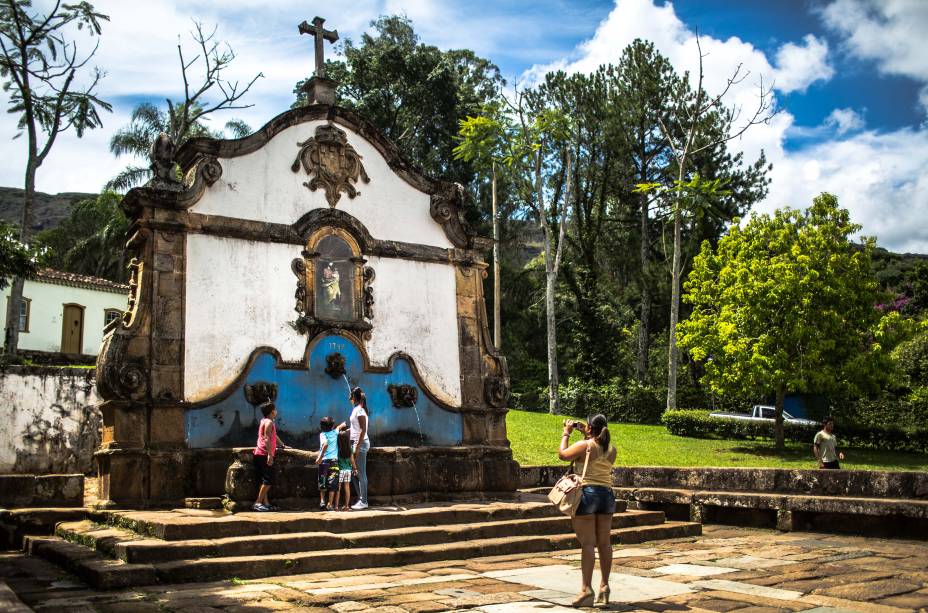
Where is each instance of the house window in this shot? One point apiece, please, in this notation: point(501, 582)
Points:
point(24, 308)
point(110, 315)
point(24, 315)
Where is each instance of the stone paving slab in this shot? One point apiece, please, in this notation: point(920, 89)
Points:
point(747, 588)
point(692, 570)
point(727, 569)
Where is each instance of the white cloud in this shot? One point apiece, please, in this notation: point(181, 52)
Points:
point(879, 177)
point(889, 32)
point(799, 66)
point(844, 121)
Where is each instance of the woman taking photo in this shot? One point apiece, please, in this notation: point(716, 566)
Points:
point(593, 520)
point(360, 443)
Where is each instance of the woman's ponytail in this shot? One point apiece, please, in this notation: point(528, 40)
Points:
point(599, 430)
point(359, 398)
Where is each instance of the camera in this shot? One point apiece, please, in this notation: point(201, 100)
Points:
point(569, 423)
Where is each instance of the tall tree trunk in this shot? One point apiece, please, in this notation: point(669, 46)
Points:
point(644, 337)
point(497, 318)
point(675, 299)
point(554, 400)
point(11, 336)
point(778, 418)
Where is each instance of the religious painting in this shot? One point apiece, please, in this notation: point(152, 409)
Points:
point(334, 279)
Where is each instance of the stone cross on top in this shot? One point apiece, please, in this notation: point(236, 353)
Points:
point(320, 34)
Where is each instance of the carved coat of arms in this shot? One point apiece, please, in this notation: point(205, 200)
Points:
point(332, 163)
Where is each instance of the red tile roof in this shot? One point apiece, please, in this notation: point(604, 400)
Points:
point(58, 277)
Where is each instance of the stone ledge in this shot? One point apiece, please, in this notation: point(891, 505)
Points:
point(394, 473)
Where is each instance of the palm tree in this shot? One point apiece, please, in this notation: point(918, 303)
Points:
point(91, 239)
point(148, 121)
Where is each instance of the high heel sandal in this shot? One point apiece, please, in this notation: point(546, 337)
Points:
point(603, 597)
point(584, 600)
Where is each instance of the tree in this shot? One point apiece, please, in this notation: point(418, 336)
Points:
point(91, 239)
point(39, 67)
point(644, 82)
point(700, 123)
point(786, 303)
point(416, 94)
point(482, 142)
point(184, 119)
point(16, 258)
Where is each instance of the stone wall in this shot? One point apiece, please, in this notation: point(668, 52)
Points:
point(51, 423)
point(862, 483)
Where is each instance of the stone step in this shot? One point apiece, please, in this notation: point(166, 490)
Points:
point(17, 523)
point(186, 524)
point(102, 572)
point(99, 571)
point(129, 547)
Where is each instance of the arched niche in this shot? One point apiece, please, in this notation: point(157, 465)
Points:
point(333, 288)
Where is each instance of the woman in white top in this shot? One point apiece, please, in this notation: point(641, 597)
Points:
point(360, 443)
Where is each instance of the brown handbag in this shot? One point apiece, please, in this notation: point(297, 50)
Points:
point(568, 490)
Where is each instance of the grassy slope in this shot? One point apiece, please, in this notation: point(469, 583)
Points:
point(535, 436)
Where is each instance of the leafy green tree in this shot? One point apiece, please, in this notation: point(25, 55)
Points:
point(39, 68)
point(416, 94)
point(184, 119)
point(786, 303)
point(483, 142)
point(91, 240)
point(16, 258)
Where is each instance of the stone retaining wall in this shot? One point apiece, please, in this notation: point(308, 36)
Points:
point(51, 423)
point(860, 483)
point(41, 491)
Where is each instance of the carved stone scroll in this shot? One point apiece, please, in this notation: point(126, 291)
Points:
point(298, 266)
point(332, 163)
point(445, 206)
point(368, 292)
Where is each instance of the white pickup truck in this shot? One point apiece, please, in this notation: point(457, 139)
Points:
point(763, 412)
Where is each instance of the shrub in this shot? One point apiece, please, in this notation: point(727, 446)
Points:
point(911, 358)
point(619, 401)
point(698, 424)
point(886, 411)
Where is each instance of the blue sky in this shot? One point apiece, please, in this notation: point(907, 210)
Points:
point(851, 78)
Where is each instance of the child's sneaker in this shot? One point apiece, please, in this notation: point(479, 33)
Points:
point(273, 507)
point(259, 507)
point(359, 506)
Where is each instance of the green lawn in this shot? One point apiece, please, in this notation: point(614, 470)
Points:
point(535, 437)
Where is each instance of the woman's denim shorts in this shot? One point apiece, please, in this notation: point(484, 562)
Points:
point(596, 500)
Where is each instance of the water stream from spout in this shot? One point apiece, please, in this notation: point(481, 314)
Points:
point(347, 384)
point(419, 423)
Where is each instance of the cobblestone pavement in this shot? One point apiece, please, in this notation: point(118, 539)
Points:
point(726, 569)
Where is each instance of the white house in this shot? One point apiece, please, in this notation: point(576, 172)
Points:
point(66, 312)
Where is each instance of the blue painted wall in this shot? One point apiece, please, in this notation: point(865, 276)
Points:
point(305, 396)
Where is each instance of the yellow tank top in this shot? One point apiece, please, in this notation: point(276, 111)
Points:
point(599, 470)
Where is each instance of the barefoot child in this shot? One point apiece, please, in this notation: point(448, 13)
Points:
point(328, 463)
point(265, 451)
point(345, 469)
